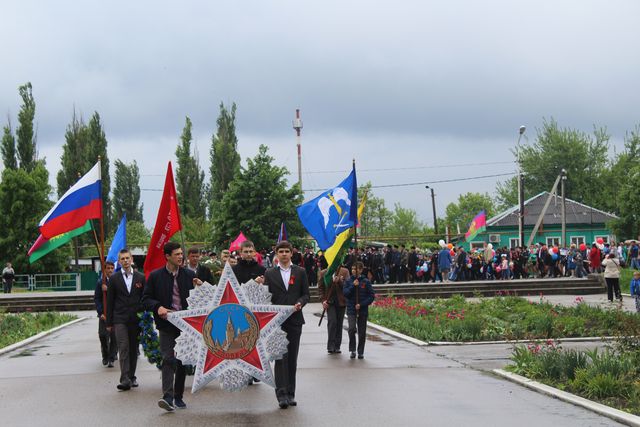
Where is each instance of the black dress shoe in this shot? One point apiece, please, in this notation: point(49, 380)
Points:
point(283, 402)
point(124, 386)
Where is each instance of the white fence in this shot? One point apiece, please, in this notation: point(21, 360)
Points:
point(48, 282)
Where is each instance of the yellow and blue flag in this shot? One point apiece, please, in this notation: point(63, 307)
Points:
point(332, 212)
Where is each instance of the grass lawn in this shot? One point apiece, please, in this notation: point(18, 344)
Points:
point(498, 318)
point(19, 326)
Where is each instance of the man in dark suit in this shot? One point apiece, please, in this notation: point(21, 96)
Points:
point(288, 286)
point(193, 263)
point(124, 295)
point(166, 290)
point(108, 344)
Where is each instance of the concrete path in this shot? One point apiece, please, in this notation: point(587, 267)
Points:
point(60, 381)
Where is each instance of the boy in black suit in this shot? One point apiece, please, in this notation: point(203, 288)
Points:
point(167, 290)
point(124, 296)
point(288, 286)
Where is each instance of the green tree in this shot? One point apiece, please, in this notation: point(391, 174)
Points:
point(24, 197)
point(225, 160)
point(468, 205)
point(74, 155)
point(257, 202)
point(126, 192)
point(189, 177)
point(376, 218)
point(97, 148)
point(405, 223)
point(26, 138)
point(583, 156)
point(9, 148)
point(624, 197)
point(137, 234)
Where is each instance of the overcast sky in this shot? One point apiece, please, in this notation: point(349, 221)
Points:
point(415, 91)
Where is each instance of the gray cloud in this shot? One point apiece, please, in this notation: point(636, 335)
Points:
point(395, 84)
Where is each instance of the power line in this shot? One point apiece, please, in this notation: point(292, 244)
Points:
point(414, 167)
point(429, 182)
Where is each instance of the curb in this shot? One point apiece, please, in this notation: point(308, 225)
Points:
point(446, 343)
point(36, 337)
point(607, 411)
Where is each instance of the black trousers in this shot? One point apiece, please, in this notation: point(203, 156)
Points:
point(613, 285)
point(285, 368)
point(357, 324)
point(335, 320)
point(108, 343)
point(127, 335)
point(173, 372)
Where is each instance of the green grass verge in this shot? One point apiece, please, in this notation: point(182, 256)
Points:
point(498, 318)
point(609, 377)
point(19, 326)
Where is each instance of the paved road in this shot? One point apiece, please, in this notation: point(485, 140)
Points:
point(59, 381)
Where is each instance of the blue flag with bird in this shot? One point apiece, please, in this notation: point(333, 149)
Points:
point(332, 212)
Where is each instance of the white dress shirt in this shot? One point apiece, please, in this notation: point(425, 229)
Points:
point(128, 278)
point(286, 275)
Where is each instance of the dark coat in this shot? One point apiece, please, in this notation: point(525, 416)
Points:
point(122, 306)
point(335, 289)
point(247, 270)
point(158, 292)
point(298, 291)
point(362, 294)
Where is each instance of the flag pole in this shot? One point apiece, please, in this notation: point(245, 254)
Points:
point(101, 249)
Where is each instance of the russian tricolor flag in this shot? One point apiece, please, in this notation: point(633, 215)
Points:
point(83, 201)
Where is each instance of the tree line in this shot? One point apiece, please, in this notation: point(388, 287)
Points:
point(254, 198)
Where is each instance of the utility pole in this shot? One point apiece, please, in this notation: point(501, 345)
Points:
point(297, 125)
point(520, 191)
point(563, 209)
point(433, 205)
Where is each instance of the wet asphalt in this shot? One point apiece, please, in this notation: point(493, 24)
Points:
point(60, 381)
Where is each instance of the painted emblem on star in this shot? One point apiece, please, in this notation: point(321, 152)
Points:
point(231, 333)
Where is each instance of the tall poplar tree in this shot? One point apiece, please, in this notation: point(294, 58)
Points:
point(9, 147)
point(225, 159)
point(190, 178)
point(126, 192)
point(26, 138)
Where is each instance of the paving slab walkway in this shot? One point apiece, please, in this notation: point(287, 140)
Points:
point(60, 381)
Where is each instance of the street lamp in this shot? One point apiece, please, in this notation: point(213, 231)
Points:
point(520, 190)
point(433, 205)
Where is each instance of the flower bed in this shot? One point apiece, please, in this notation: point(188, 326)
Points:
point(499, 318)
point(609, 377)
point(17, 327)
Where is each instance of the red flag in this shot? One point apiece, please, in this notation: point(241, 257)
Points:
point(167, 224)
point(235, 245)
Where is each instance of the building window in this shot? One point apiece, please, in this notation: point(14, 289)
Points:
point(477, 245)
point(553, 241)
point(577, 240)
point(494, 238)
point(514, 243)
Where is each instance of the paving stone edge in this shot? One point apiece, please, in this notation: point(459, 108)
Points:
point(607, 411)
point(36, 337)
